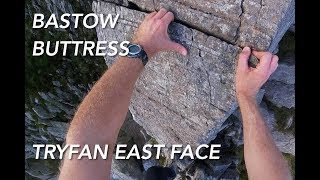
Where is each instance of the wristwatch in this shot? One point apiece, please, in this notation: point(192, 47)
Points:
point(136, 51)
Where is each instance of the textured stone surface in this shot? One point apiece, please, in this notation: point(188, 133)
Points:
point(256, 23)
point(179, 99)
point(280, 94)
point(285, 140)
point(285, 73)
point(264, 22)
point(187, 99)
point(125, 169)
point(280, 88)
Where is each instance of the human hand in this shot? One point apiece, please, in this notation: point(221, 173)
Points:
point(152, 34)
point(249, 80)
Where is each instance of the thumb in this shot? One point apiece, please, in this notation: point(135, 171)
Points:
point(177, 47)
point(243, 58)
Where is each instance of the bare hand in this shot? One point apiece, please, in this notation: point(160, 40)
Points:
point(249, 80)
point(153, 36)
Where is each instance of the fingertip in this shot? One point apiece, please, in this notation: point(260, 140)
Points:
point(246, 49)
point(274, 63)
point(275, 57)
point(150, 15)
point(181, 49)
point(184, 52)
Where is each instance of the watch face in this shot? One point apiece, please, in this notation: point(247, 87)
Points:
point(134, 49)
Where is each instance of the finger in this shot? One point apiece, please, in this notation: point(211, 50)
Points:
point(177, 47)
point(168, 18)
point(274, 63)
point(151, 15)
point(244, 58)
point(160, 13)
point(260, 54)
point(264, 59)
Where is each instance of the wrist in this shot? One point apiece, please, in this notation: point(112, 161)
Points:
point(146, 47)
point(245, 97)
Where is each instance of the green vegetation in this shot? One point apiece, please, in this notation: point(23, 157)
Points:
point(241, 167)
point(152, 141)
point(41, 71)
point(291, 162)
point(282, 116)
point(163, 160)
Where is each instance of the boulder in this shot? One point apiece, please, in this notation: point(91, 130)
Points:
point(255, 23)
point(285, 140)
point(280, 88)
point(125, 169)
point(179, 100)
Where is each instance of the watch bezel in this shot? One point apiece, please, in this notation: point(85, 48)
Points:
point(134, 53)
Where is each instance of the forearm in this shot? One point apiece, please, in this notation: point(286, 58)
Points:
point(262, 157)
point(99, 119)
point(102, 112)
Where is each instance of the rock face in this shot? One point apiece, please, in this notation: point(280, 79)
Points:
point(280, 89)
point(285, 140)
point(256, 23)
point(186, 100)
point(179, 99)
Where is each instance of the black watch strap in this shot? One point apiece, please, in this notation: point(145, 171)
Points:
point(142, 55)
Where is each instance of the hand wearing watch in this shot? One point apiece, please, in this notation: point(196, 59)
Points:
point(136, 51)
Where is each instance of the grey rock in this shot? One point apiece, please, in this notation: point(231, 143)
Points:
point(255, 23)
point(52, 109)
point(29, 115)
point(36, 169)
point(56, 83)
point(133, 130)
point(43, 113)
point(29, 151)
point(285, 141)
point(125, 169)
point(280, 88)
point(263, 23)
point(57, 101)
point(289, 122)
point(58, 130)
point(179, 99)
point(284, 73)
point(187, 99)
point(230, 174)
point(76, 91)
point(280, 94)
point(292, 28)
point(148, 163)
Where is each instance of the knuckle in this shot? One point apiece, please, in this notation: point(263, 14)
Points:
point(268, 55)
point(162, 9)
point(263, 73)
point(160, 22)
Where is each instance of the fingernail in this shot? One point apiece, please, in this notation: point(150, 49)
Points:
point(184, 52)
point(246, 49)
